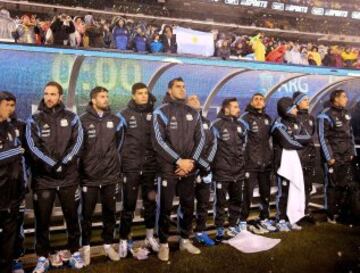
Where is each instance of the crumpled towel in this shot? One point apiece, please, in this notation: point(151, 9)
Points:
point(248, 242)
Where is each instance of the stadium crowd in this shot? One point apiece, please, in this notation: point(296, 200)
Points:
point(125, 34)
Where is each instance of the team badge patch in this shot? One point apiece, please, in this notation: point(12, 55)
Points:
point(64, 123)
point(239, 129)
point(110, 124)
point(296, 126)
point(205, 126)
point(189, 117)
point(148, 117)
point(347, 117)
point(311, 122)
point(266, 121)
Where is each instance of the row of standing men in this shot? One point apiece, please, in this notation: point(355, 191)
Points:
point(167, 151)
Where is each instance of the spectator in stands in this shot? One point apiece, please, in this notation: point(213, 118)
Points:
point(94, 36)
point(333, 58)
point(304, 56)
point(223, 49)
point(258, 47)
point(168, 39)
point(7, 26)
point(76, 38)
point(61, 28)
point(140, 42)
point(349, 57)
point(120, 34)
point(314, 56)
point(292, 55)
point(277, 55)
point(25, 32)
point(156, 45)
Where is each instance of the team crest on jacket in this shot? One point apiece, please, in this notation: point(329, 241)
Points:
point(64, 122)
point(17, 133)
point(266, 121)
point(347, 117)
point(311, 122)
point(148, 117)
point(110, 124)
point(189, 117)
point(239, 129)
point(296, 126)
point(205, 126)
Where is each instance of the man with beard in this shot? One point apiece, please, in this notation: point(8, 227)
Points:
point(138, 166)
point(178, 139)
point(54, 137)
point(228, 167)
point(100, 169)
point(258, 162)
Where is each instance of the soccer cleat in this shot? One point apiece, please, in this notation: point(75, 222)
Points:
point(17, 267)
point(123, 248)
point(282, 226)
point(186, 244)
point(42, 265)
point(257, 229)
point(220, 233)
point(76, 261)
point(233, 231)
point(111, 253)
point(152, 243)
point(86, 254)
point(163, 253)
point(55, 260)
point(203, 238)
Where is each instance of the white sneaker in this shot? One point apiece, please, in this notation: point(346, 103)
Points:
point(267, 224)
point(42, 265)
point(233, 231)
point(65, 255)
point(111, 253)
point(76, 261)
point(295, 227)
point(186, 244)
point(282, 226)
point(55, 260)
point(163, 253)
point(152, 243)
point(243, 226)
point(86, 254)
point(123, 248)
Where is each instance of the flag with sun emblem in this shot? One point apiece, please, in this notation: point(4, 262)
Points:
point(194, 42)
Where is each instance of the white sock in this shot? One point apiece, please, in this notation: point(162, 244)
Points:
point(107, 246)
point(149, 233)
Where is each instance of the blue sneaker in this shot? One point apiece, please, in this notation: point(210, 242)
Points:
point(17, 267)
point(42, 265)
point(220, 233)
point(203, 238)
point(76, 261)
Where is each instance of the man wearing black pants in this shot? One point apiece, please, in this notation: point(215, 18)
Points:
point(258, 162)
point(19, 126)
point(138, 166)
point(54, 137)
point(229, 167)
point(178, 139)
point(100, 169)
point(338, 151)
point(12, 187)
point(203, 176)
point(308, 154)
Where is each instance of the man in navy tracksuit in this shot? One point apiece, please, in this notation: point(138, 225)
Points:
point(203, 177)
point(100, 169)
point(178, 139)
point(338, 150)
point(308, 154)
point(258, 161)
point(229, 167)
point(138, 166)
point(12, 186)
point(290, 135)
point(54, 138)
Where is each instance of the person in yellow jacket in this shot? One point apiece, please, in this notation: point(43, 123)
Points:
point(314, 56)
point(349, 57)
point(258, 47)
